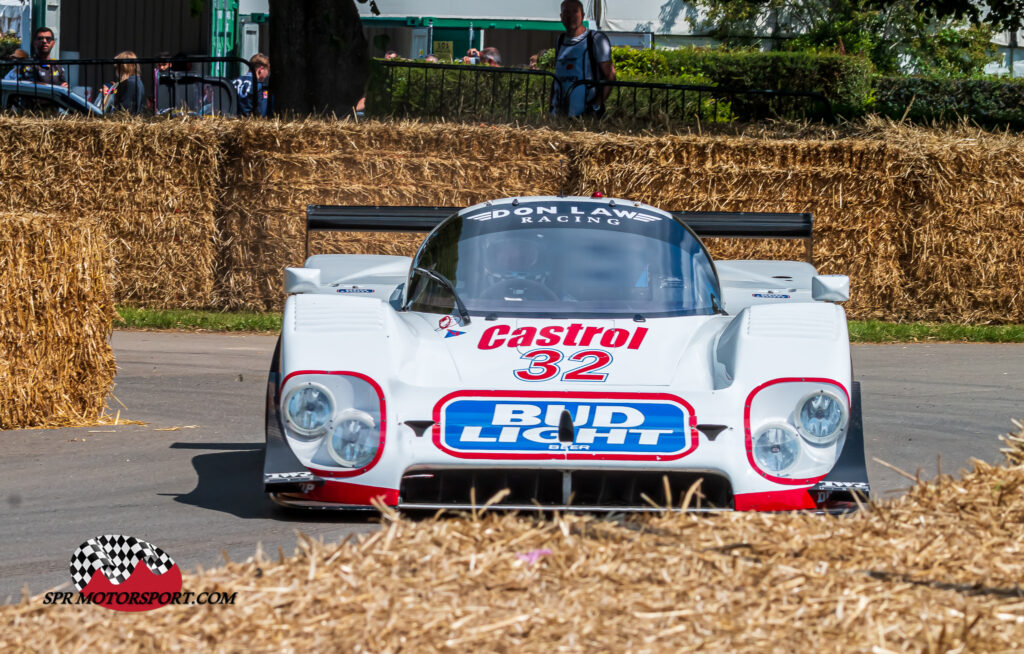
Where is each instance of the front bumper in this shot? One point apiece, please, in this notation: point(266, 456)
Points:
point(559, 488)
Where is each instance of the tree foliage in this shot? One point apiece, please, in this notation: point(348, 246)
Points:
point(319, 56)
point(895, 35)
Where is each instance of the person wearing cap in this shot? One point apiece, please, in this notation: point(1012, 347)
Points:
point(581, 54)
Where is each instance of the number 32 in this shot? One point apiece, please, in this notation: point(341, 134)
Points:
point(544, 366)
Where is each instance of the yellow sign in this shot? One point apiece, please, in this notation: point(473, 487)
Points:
point(443, 49)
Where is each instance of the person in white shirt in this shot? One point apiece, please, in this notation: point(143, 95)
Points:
point(581, 54)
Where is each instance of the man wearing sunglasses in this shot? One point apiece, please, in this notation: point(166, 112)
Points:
point(42, 72)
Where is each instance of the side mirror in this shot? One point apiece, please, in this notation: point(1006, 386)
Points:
point(301, 280)
point(830, 288)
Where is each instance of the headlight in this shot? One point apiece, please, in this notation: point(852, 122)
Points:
point(820, 418)
point(776, 448)
point(308, 409)
point(355, 439)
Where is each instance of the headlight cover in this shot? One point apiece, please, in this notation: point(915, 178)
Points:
point(308, 409)
point(821, 417)
point(355, 439)
point(334, 421)
point(795, 428)
point(776, 448)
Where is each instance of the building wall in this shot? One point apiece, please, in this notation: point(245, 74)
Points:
point(102, 28)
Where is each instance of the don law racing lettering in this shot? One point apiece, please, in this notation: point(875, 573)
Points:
point(625, 427)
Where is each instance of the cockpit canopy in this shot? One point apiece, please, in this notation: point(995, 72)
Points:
point(564, 257)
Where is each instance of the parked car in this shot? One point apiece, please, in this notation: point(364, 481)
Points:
point(563, 353)
point(21, 97)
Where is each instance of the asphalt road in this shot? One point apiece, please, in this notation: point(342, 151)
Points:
point(189, 480)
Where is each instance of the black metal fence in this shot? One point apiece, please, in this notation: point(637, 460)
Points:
point(463, 92)
point(173, 86)
point(456, 91)
point(186, 86)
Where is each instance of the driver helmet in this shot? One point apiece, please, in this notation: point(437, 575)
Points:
point(511, 258)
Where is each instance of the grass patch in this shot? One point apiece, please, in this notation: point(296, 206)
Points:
point(184, 319)
point(875, 331)
point(861, 331)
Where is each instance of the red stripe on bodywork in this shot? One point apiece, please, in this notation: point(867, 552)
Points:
point(343, 492)
point(783, 500)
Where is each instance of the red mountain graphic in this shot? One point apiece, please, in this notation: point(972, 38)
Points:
point(142, 580)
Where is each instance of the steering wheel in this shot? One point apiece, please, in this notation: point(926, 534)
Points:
point(519, 288)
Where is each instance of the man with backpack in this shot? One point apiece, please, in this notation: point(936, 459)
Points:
point(581, 55)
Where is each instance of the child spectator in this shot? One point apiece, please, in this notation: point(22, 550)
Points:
point(127, 94)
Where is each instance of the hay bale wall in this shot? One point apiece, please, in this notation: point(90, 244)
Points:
point(926, 222)
point(56, 309)
point(856, 190)
point(207, 213)
point(963, 260)
point(152, 186)
point(272, 171)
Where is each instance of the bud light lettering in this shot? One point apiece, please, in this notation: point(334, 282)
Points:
point(480, 427)
point(574, 335)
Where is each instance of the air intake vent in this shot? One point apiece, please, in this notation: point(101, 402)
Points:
point(313, 314)
point(548, 489)
point(793, 321)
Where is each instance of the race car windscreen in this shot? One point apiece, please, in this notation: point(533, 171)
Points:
point(565, 258)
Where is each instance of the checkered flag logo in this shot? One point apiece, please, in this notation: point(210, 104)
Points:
point(117, 557)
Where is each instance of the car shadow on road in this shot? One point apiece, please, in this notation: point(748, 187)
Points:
point(229, 479)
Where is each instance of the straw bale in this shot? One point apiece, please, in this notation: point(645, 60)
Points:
point(964, 258)
point(926, 222)
point(153, 186)
point(273, 170)
point(938, 570)
point(56, 310)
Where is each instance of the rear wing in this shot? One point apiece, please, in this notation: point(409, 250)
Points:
point(706, 224)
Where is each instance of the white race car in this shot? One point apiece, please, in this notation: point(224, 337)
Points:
point(563, 353)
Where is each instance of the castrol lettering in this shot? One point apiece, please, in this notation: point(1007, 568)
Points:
point(573, 335)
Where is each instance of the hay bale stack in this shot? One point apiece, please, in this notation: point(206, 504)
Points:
point(153, 186)
point(855, 189)
point(939, 570)
point(964, 258)
point(56, 309)
point(273, 170)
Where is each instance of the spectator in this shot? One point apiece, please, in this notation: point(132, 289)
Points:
point(247, 88)
point(158, 70)
point(391, 54)
point(42, 72)
point(16, 58)
point(431, 59)
point(472, 56)
point(533, 61)
point(127, 94)
point(581, 55)
point(490, 56)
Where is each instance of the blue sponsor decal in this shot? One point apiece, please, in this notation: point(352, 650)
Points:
point(355, 290)
point(772, 296)
point(451, 333)
point(525, 426)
